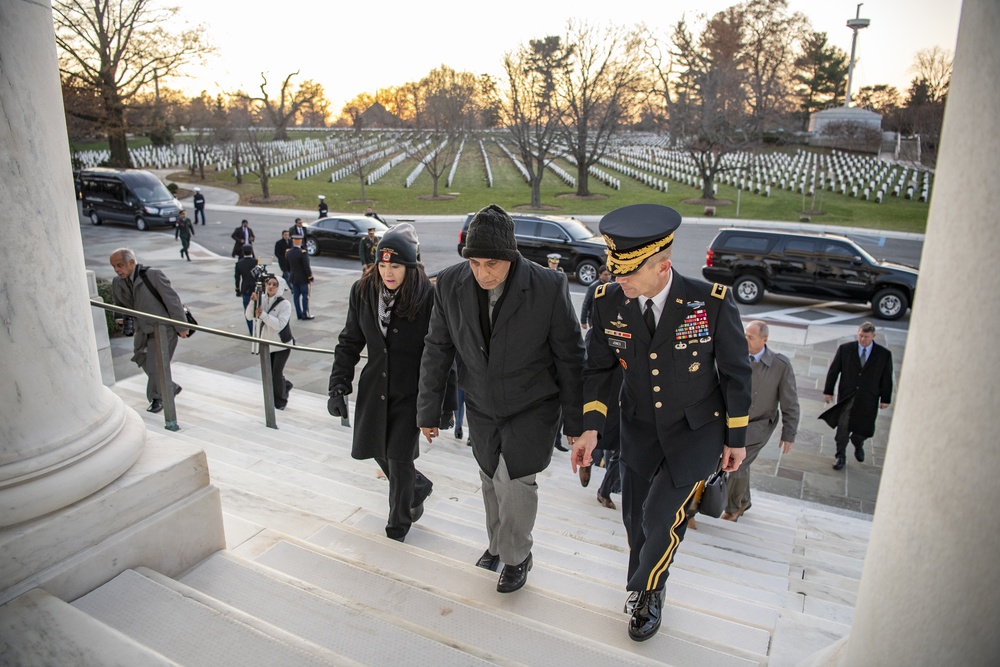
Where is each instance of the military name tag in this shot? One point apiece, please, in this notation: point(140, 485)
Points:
point(620, 344)
point(618, 334)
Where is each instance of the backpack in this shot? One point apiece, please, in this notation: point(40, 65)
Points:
point(285, 334)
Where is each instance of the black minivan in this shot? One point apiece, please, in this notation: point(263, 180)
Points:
point(134, 196)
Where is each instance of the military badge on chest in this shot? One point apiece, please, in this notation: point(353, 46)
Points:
point(694, 326)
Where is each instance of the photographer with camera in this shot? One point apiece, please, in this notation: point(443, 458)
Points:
point(270, 314)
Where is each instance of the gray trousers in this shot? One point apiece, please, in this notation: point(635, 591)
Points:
point(148, 360)
point(511, 506)
point(739, 481)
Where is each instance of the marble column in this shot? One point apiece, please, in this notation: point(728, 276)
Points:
point(63, 434)
point(929, 592)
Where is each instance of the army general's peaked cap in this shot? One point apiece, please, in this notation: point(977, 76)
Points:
point(637, 232)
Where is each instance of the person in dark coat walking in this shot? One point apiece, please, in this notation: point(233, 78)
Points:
point(184, 232)
point(281, 248)
point(514, 326)
point(297, 229)
point(390, 308)
point(322, 208)
point(199, 206)
point(241, 236)
point(301, 277)
point(685, 396)
point(865, 371)
point(246, 281)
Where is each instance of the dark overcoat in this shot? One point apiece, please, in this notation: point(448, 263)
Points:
point(870, 385)
point(689, 383)
point(135, 294)
point(523, 381)
point(299, 269)
point(385, 416)
point(238, 242)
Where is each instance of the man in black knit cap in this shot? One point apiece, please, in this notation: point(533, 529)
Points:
point(515, 328)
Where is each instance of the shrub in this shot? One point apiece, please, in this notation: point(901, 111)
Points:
point(104, 291)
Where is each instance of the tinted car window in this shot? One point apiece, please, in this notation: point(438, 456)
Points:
point(746, 243)
point(578, 230)
point(525, 228)
point(346, 226)
point(800, 247)
point(150, 189)
point(547, 230)
point(838, 250)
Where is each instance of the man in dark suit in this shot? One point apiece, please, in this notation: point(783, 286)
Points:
point(865, 371)
point(773, 385)
point(281, 248)
point(130, 290)
point(242, 236)
point(514, 326)
point(300, 274)
point(684, 399)
point(246, 281)
point(297, 229)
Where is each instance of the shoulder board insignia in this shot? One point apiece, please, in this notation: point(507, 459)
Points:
point(719, 291)
point(599, 292)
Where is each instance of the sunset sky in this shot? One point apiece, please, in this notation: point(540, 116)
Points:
point(354, 47)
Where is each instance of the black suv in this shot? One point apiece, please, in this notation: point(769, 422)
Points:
point(822, 266)
point(582, 250)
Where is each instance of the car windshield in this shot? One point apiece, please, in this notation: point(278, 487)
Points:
point(577, 230)
point(151, 190)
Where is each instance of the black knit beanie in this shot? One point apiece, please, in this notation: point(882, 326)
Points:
point(491, 236)
point(399, 245)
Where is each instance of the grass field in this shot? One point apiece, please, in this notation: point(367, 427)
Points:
point(469, 192)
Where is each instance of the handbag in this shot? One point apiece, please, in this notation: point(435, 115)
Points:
point(187, 312)
point(715, 495)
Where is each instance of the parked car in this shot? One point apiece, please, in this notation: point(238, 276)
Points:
point(340, 235)
point(582, 250)
point(134, 196)
point(822, 266)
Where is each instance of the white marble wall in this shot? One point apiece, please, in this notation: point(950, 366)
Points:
point(929, 593)
point(63, 434)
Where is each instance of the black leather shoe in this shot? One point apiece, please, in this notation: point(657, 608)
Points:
point(488, 561)
point(417, 512)
point(840, 463)
point(633, 597)
point(177, 389)
point(512, 577)
point(646, 616)
point(584, 475)
point(155, 406)
point(607, 502)
point(859, 453)
point(458, 432)
point(560, 447)
point(309, 317)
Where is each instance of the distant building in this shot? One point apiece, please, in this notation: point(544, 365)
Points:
point(378, 116)
point(849, 128)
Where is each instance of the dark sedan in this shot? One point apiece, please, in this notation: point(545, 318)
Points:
point(340, 235)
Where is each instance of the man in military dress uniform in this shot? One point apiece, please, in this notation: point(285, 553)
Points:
point(684, 399)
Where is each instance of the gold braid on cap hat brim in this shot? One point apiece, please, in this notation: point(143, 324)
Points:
point(622, 263)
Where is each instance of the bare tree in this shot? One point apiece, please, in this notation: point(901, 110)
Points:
point(446, 110)
point(597, 91)
point(283, 111)
point(529, 108)
point(200, 119)
point(118, 48)
point(769, 41)
point(932, 68)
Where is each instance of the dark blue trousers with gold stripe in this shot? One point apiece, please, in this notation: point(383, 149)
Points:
point(655, 515)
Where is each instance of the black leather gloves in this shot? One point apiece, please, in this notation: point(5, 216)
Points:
point(337, 404)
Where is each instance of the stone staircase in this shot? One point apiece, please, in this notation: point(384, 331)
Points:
point(310, 578)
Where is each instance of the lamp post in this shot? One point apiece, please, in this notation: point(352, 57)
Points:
point(855, 24)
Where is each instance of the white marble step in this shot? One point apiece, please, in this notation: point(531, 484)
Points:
point(458, 601)
point(40, 630)
point(561, 579)
point(351, 628)
point(193, 630)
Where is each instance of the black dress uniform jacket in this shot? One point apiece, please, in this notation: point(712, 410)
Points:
point(385, 419)
point(869, 386)
point(691, 379)
point(518, 383)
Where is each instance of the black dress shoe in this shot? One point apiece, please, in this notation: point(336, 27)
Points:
point(560, 447)
point(155, 406)
point(488, 561)
point(607, 502)
point(585, 475)
point(633, 597)
point(309, 317)
point(512, 577)
point(177, 389)
point(458, 432)
point(859, 453)
point(840, 462)
point(417, 512)
point(646, 616)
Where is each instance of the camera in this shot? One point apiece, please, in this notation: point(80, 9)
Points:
point(261, 276)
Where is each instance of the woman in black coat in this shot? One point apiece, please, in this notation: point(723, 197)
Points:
point(389, 311)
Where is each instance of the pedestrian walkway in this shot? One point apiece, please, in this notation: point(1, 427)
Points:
point(809, 336)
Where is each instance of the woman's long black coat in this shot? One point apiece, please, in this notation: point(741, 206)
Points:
point(385, 417)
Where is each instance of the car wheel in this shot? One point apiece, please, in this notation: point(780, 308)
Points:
point(748, 289)
point(312, 247)
point(140, 224)
point(586, 272)
point(889, 304)
point(94, 218)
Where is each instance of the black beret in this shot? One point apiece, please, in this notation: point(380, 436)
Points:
point(637, 232)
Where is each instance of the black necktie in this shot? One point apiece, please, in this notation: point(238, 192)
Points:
point(864, 356)
point(649, 317)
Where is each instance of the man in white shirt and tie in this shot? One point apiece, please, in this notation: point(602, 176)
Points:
point(865, 371)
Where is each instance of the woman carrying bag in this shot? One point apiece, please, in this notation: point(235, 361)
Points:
point(389, 311)
point(271, 322)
